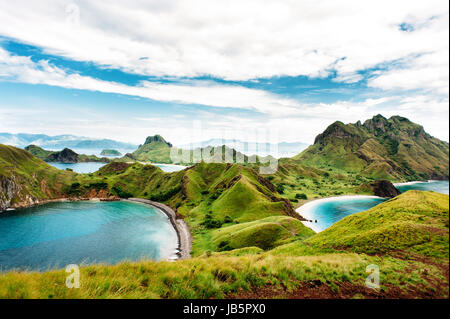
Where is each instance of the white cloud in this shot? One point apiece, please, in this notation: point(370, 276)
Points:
point(232, 39)
point(22, 69)
point(238, 40)
point(429, 72)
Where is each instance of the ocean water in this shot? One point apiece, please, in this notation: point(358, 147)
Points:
point(91, 167)
point(437, 186)
point(333, 209)
point(170, 168)
point(82, 168)
point(57, 234)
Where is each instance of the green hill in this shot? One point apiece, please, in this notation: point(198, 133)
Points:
point(154, 150)
point(331, 264)
point(413, 223)
point(392, 149)
point(64, 156)
point(110, 152)
point(157, 150)
point(206, 195)
point(266, 233)
point(25, 179)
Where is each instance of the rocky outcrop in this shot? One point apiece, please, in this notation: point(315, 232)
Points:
point(156, 138)
point(65, 156)
point(384, 189)
point(9, 190)
point(336, 130)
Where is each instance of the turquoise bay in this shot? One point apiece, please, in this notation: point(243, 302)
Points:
point(330, 210)
point(91, 167)
point(58, 234)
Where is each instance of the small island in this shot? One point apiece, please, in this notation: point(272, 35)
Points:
point(108, 152)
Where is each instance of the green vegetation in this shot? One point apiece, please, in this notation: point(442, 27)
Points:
point(25, 178)
point(39, 152)
point(108, 152)
point(415, 223)
point(266, 233)
point(246, 235)
point(65, 155)
point(392, 149)
point(157, 150)
point(301, 269)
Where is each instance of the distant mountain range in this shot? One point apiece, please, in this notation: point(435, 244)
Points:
point(157, 150)
point(77, 143)
point(277, 150)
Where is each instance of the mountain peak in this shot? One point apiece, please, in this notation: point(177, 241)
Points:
point(337, 129)
point(393, 148)
point(156, 139)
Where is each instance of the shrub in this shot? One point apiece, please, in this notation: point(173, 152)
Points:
point(209, 222)
point(120, 192)
point(74, 189)
point(163, 196)
point(216, 195)
point(301, 196)
point(224, 246)
point(280, 188)
point(227, 220)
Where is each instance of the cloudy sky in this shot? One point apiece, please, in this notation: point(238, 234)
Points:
point(125, 70)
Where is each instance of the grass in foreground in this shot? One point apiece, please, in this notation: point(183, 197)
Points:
point(331, 264)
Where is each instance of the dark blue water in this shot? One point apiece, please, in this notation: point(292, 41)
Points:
point(91, 167)
point(58, 234)
point(334, 209)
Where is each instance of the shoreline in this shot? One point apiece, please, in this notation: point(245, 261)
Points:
point(180, 226)
point(40, 202)
point(304, 210)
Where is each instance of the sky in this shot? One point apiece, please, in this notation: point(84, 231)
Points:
point(191, 70)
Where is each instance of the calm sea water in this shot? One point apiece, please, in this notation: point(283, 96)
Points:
point(58, 234)
point(91, 167)
point(329, 212)
point(437, 186)
point(82, 168)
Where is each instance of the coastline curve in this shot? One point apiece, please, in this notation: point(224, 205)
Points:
point(180, 226)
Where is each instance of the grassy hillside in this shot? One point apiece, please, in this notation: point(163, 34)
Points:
point(413, 223)
point(110, 152)
point(157, 150)
point(392, 149)
point(26, 179)
point(64, 155)
point(266, 233)
point(207, 196)
point(331, 264)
